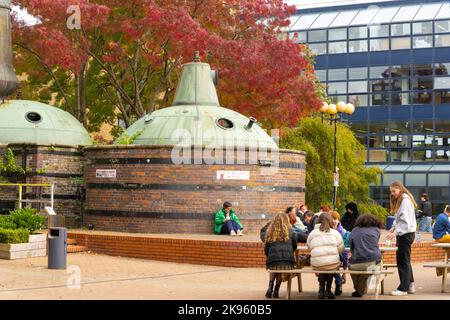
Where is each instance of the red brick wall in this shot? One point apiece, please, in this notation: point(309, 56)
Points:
point(207, 252)
point(248, 204)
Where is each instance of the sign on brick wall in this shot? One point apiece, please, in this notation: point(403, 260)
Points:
point(233, 175)
point(105, 173)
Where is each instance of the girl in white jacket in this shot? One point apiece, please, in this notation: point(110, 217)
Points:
point(325, 245)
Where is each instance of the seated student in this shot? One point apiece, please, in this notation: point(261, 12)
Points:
point(366, 255)
point(308, 218)
point(300, 230)
point(338, 278)
point(323, 209)
point(227, 222)
point(325, 245)
point(301, 210)
point(441, 228)
point(279, 247)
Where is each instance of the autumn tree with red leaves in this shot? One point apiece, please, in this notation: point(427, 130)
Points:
point(127, 56)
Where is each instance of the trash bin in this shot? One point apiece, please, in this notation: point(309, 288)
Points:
point(389, 222)
point(57, 248)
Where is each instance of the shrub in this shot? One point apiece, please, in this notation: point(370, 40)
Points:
point(27, 218)
point(373, 208)
point(6, 223)
point(14, 235)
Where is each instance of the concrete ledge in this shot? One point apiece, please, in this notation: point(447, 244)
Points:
point(36, 247)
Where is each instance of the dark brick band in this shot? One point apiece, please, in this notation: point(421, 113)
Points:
point(56, 152)
point(191, 187)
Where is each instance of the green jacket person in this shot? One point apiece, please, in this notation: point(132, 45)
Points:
point(227, 222)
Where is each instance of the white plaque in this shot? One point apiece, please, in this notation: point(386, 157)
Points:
point(50, 211)
point(105, 173)
point(233, 175)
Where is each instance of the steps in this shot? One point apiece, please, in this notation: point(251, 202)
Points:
point(73, 247)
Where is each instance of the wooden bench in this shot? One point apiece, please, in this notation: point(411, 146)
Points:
point(440, 265)
point(298, 272)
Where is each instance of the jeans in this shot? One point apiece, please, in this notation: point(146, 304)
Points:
point(405, 271)
point(425, 224)
point(229, 226)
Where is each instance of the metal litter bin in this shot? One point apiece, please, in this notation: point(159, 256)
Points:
point(57, 248)
point(389, 222)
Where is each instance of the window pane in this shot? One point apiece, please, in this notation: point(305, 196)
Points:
point(324, 20)
point(337, 74)
point(359, 127)
point(442, 155)
point(388, 178)
point(442, 26)
point(444, 12)
point(438, 194)
point(317, 35)
point(357, 46)
point(401, 43)
point(406, 13)
point(381, 99)
point(442, 83)
point(423, 42)
point(442, 96)
point(385, 15)
point(400, 156)
point(318, 48)
point(337, 47)
point(337, 34)
point(304, 22)
point(357, 73)
point(422, 70)
point(415, 179)
point(401, 29)
point(321, 75)
point(379, 72)
point(422, 155)
point(365, 16)
point(400, 71)
point(379, 126)
point(397, 127)
point(336, 99)
point(400, 141)
point(423, 27)
point(357, 86)
point(422, 97)
point(400, 98)
point(379, 44)
point(378, 155)
point(442, 141)
point(438, 180)
point(442, 125)
point(298, 37)
point(359, 100)
point(400, 84)
point(442, 69)
point(442, 40)
point(428, 11)
point(422, 84)
point(357, 32)
point(344, 18)
point(337, 87)
point(379, 85)
point(424, 126)
point(379, 31)
point(423, 141)
point(379, 142)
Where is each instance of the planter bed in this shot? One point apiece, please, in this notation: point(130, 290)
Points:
point(36, 247)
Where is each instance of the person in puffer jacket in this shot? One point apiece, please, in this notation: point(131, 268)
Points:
point(325, 245)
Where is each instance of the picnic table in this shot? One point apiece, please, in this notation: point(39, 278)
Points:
point(444, 266)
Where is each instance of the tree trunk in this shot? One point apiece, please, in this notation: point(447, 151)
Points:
point(81, 96)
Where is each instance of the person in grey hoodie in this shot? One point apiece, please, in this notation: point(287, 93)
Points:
point(404, 228)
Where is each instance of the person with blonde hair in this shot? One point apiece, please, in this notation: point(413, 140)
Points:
point(280, 245)
point(404, 229)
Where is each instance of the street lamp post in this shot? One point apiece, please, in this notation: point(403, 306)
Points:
point(335, 111)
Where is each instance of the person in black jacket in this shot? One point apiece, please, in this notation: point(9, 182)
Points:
point(424, 214)
point(351, 214)
point(280, 245)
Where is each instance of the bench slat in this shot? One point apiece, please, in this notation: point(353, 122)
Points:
point(294, 271)
point(436, 265)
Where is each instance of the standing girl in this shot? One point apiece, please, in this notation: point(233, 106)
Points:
point(280, 245)
point(404, 228)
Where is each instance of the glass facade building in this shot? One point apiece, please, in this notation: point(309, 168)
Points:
point(392, 60)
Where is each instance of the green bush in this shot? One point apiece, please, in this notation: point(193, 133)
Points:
point(14, 235)
point(27, 218)
point(376, 209)
point(6, 223)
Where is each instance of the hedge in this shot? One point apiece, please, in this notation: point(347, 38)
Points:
point(14, 235)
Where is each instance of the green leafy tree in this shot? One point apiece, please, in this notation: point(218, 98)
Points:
point(317, 139)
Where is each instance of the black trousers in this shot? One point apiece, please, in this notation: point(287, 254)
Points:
point(229, 226)
point(405, 271)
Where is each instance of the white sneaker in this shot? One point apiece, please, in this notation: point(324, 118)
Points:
point(399, 293)
point(232, 233)
point(412, 288)
point(239, 233)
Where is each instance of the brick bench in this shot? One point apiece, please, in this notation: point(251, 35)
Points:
point(298, 272)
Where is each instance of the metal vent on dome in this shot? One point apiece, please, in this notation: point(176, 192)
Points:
point(33, 117)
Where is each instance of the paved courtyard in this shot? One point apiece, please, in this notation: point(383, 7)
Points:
point(107, 277)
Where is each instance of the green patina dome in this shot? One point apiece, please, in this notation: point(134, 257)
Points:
point(196, 118)
point(23, 121)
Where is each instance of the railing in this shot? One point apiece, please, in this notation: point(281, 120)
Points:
point(21, 185)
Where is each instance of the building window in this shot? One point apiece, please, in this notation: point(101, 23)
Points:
point(388, 178)
point(337, 47)
point(359, 100)
point(422, 70)
point(442, 155)
point(401, 29)
point(336, 99)
point(416, 179)
point(423, 126)
point(359, 127)
point(337, 34)
point(317, 35)
point(379, 72)
point(378, 155)
point(442, 69)
point(400, 84)
point(400, 156)
point(420, 155)
point(381, 99)
point(438, 180)
point(442, 97)
point(321, 75)
point(379, 85)
point(357, 46)
point(357, 33)
point(422, 83)
point(379, 44)
point(422, 27)
point(422, 97)
point(442, 141)
point(423, 141)
point(442, 125)
point(442, 83)
point(357, 86)
point(379, 126)
point(423, 42)
point(379, 31)
point(318, 48)
point(379, 142)
point(358, 73)
point(400, 71)
point(401, 43)
point(442, 26)
point(442, 40)
point(400, 98)
point(399, 127)
point(337, 74)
